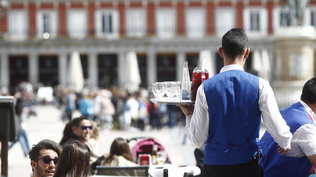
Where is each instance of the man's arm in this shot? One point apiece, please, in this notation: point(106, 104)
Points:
point(274, 122)
point(197, 119)
point(312, 159)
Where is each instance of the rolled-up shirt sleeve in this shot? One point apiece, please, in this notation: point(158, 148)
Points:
point(197, 125)
point(274, 122)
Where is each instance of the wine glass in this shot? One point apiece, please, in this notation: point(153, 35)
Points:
point(178, 90)
point(170, 89)
point(158, 89)
point(161, 157)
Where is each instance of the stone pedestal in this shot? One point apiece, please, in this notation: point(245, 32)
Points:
point(294, 62)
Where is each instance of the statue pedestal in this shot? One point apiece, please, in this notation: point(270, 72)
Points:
point(294, 62)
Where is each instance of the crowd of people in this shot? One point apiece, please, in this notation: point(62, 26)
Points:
point(114, 108)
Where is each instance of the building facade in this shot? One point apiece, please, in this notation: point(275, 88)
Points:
point(38, 36)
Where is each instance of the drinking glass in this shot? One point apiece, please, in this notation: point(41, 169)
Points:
point(170, 87)
point(178, 90)
point(158, 89)
point(161, 157)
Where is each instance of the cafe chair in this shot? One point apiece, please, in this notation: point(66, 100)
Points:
point(140, 171)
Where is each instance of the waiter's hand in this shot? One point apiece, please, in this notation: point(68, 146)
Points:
point(187, 109)
point(282, 151)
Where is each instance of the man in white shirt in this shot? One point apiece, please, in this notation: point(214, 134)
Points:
point(227, 115)
point(301, 118)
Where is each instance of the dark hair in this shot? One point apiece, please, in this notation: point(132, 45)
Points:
point(74, 160)
point(66, 133)
point(119, 147)
point(34, 153)
point(309, 91)
point(76, 121)
point(234, 43)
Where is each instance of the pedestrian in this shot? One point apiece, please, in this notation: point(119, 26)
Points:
point(107, 110)
point(227, 114)
point(22, 112)
point(44, 158)
point(301, 158)
point(74, 160)
point(85, 105)
point(70, 97)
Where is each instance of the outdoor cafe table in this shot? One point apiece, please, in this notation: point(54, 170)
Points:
point(173, 170)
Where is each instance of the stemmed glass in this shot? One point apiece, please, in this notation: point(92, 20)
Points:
point(158, 89)
point(170, 87)
point(178, 90)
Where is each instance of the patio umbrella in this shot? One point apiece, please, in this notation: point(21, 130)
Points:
point(75, 73)
point(209, 64)
point(265, 64)
point(132, 78)
point(256, 64)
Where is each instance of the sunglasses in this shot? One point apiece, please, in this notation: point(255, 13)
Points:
point(85, 127)
point(47, 160)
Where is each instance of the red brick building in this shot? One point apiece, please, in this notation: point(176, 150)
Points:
point(38, 36)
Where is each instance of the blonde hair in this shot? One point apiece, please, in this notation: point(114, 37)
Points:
point(95, 130)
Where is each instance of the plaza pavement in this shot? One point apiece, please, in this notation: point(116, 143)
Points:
point(47, 125)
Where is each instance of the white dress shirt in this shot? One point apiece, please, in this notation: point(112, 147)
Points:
point(197, 125)
point(304, 138)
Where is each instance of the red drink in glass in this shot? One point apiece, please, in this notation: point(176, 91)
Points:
point(197, 81)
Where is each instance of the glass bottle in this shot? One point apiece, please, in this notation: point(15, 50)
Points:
point(185, 82)
point(154, 154)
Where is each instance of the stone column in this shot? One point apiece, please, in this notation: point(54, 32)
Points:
point(93, 69)
point(179, 64)
point(5, 70)
point(151, 67)
point(121, 68)
point(294, 63)
point(62, 69)
point(33, 68)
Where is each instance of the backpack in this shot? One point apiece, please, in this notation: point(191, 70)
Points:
point(20, 104)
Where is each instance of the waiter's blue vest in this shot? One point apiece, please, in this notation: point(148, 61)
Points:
point(235, 118)
point(273, 163)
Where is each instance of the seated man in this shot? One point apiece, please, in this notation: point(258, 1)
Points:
point(44, 157)
point(301, 118)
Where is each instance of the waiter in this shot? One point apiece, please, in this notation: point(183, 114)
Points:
point(227, 115)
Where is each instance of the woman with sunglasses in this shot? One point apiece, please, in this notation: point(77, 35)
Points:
point(74, 160)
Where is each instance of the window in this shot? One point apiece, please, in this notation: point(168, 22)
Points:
point(195, 22)
point(107, 23)
point(166, 22)
point(17, 25)
point(225, 20)
point(255, 22)
point(135, 22)
point(281, 18)
point(46, 24)
point(77, 23)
